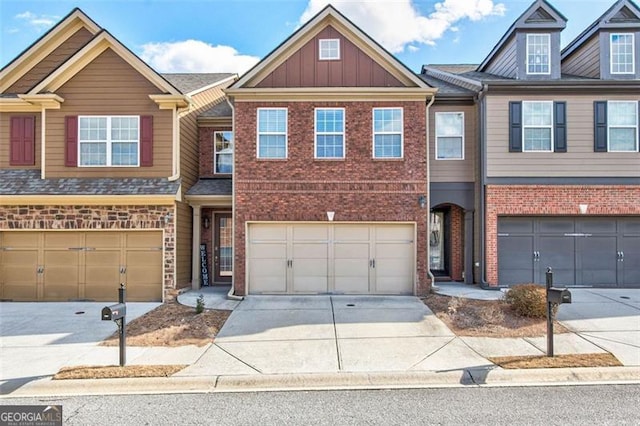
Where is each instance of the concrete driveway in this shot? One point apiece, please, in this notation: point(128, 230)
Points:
point(323, 334)
point(608, 318)
point(37, 339)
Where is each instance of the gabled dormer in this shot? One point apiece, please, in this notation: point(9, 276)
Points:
point(530, 49)
point(609, 48)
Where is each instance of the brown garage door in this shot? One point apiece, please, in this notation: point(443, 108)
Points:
point(60, 266)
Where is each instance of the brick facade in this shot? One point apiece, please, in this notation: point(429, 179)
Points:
point(357, 188)
point(548, 200)
point(457, 243)
point(88, 218)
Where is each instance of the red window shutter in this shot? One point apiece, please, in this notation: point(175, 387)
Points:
point(146, 140)
point(71, 141)
point(22, 141)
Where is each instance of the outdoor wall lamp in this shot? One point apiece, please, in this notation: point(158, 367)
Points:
point(167, 218)
point(206, 222)
point(422, 200)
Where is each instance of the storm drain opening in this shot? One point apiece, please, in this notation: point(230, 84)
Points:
point(79, 312)
point(625, 297)
point(351, 305)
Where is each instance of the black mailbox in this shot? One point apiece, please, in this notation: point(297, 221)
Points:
point(559, 295)
point(114, 312)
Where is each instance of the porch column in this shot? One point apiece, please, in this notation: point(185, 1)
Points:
point(195, 250)
point(468, 246)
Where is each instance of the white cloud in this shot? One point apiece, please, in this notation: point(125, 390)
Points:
point(195, 56)
point(40, 22)
point(397, 24)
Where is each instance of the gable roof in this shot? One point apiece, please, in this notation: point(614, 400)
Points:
point(46, 44)
point(329, 15)
point(540, 15)
point(622, 14)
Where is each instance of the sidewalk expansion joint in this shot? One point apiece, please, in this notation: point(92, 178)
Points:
point(235, 357)
point(335, 334)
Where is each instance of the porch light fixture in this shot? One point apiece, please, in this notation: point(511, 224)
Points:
point(167, 218)
point(330, 216)
point(422, 200)
point(583, 208)
point(206, 222)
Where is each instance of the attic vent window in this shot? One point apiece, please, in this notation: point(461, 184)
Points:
point(538, 57)
point(329, 49)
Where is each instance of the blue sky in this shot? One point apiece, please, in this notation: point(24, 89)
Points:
point(231, 35)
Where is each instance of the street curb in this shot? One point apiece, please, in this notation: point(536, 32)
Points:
point(479, 377)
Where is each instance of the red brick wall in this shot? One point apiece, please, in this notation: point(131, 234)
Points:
point(547, 200)
point(87, 218)
point(457, 243)
point(205, 134)
point(357, 188)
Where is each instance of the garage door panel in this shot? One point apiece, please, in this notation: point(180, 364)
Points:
point(310, 232)
point(521, 225)
point(19, 273)
point(515, 260)
point(270, 232)
point(597, 226)
point(104, 240)
point(268, 275)
point(397, 284)
point(102, 274)
point(310, 251)
point(351, 268)
point(344, 233)
point(16, 240)
point(631, 261)
point(63, 240)
point(556, 226)
point(630, 227)
point(394, 233)
point(61, 271)
point(143, 240)
point(597, 261)
point(268, 251)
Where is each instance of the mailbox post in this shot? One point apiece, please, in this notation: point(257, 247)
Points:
point(555, 296)
point(118, 313)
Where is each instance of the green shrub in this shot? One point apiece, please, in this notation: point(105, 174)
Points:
point(528, 300)
point(200, 304)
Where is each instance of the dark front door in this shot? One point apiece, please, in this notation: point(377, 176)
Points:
point(223, 247)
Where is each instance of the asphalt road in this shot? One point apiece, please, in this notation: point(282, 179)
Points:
point(558, 405)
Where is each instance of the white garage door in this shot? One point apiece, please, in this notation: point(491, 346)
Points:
point(340, 258)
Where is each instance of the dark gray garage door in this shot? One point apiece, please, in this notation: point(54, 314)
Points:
point(582, 251)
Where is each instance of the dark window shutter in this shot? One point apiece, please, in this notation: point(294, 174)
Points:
point(22, 141)
point(146, 140)
point(71, 141)
point(600, 126)
point(560, 126)
point(515, 126)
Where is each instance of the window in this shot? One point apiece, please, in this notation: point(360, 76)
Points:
point(108, 141)
point(622, 119)
point(538, 57)
point(449, 136)
point(387, 133)
point(621, 48)
point(537, 126)
point(272, 133)
point(329, 133)
point(329, 48)
point(223, 152)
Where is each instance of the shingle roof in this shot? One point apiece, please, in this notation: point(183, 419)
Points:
point(188, 82)
point(221, 109)
point(28, 182)
point(445, 88)
point(213, 186)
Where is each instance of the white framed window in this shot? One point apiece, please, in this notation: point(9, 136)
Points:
point(272, 133)
point(108, 141)
point(538, 54)
point(621, 48)
point(329, 49)
point(223, 152)
point(388, 133)
point(449, 136)
point(329, 132)
point(622, 126)
point(537, 126)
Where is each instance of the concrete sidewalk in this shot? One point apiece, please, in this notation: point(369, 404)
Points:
point(318, 342)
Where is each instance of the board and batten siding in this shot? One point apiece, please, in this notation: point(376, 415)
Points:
point(454, 170)
point(184, 219)
point(52, 61)
point(579, 161)
point(585, 61)
point(506, 61)
point(354, 68)
point(5, 133)
point(108, 86)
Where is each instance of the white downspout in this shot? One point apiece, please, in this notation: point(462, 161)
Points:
point(431, 277)
point(43, 120)
point(230, 294)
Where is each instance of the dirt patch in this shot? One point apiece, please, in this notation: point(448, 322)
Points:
point(172, 324)
point(117, 372)
point(486, 318)
point(558, 361)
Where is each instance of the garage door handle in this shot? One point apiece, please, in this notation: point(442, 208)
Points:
point(372, 263)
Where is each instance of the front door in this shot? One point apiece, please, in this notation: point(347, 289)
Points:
point(223, 247)
point(439, 242)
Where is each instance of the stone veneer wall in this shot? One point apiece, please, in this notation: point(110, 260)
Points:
point(87, 218)
point(551, 200)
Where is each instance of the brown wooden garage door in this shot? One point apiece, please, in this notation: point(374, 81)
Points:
point(66, 265)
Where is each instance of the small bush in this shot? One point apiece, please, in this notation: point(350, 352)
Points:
point(200, 304)
point(528, 300)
